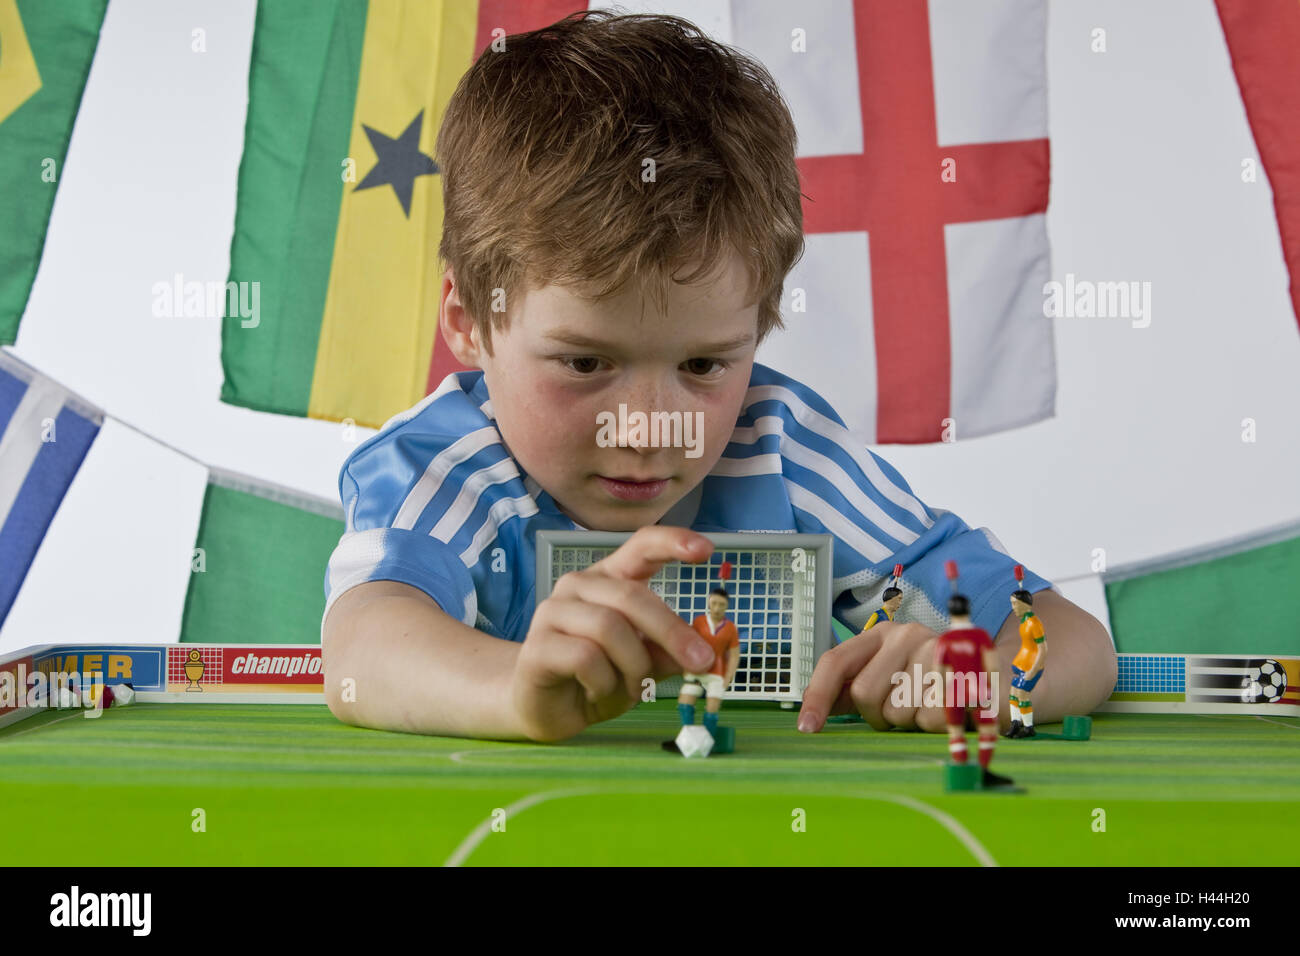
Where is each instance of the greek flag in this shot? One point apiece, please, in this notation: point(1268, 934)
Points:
point(45, 432)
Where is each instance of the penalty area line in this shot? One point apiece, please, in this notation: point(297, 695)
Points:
point(948, 822)
point(480, 832)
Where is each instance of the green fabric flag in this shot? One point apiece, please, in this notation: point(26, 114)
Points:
point(259, 567)
point(1239, 597)
point(46, 49)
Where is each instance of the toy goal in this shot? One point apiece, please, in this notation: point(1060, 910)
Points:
point(780, 589)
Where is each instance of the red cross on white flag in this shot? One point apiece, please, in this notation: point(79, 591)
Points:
point(923, 291)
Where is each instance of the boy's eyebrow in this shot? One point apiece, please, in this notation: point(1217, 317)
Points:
point(585, 342)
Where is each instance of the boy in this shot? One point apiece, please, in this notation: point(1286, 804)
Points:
point(622, 206)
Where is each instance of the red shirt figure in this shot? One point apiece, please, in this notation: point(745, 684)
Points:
point(967, 658)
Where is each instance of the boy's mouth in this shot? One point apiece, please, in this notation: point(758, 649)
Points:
point(632, 489)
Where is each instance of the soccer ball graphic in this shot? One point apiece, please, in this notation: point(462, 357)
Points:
point(1267, 683)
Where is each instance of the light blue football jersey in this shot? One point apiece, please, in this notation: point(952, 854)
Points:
point(435, 501)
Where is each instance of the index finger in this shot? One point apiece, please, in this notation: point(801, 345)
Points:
point(641, 556)
point(652, 619)
point(837, 666)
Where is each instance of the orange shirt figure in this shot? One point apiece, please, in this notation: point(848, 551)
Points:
point(721, 640)
point(1027, 667)
point(721, 634)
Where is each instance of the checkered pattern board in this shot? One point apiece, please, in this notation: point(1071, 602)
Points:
point(178, 657)
point(773, 605)
point(1151, 674)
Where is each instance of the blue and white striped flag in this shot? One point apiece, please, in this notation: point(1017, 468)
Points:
point(45, 432)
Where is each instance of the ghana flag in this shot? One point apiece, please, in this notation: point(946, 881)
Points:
point(339, 214)
point(45, 53)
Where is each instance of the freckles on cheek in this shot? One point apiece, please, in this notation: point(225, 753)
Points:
point(568, 415)
point(720, 418)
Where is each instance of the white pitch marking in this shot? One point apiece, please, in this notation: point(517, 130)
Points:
point(48, 723)
point(157, 744)
point(1270, 720)
point(480, 832)
point(949, 823)
point(457, 756)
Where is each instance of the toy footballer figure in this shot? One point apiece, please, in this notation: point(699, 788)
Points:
point(889, 602)
point(722, 635)
point(1027, 666)
point(968, 653)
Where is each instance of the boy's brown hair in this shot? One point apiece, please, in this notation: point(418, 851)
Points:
point(542, 150)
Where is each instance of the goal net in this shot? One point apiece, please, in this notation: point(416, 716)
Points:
point(780, 599)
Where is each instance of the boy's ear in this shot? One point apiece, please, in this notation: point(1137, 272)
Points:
point(456, 324)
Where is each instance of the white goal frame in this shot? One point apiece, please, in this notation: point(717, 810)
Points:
point(783, 615)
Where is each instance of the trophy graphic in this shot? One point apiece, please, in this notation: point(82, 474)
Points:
point(194, 672)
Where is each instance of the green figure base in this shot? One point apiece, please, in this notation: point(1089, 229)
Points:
point(724, 740)
point(971, 776)
point(1073, 727)
point(846, 719)
point(963, 776)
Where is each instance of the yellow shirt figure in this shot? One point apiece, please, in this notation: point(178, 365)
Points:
point(875, 618)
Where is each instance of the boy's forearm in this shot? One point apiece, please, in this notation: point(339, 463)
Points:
point(393, 660)
point(1082, 667)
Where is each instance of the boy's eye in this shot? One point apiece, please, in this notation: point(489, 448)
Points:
point(582, 364)
point(703, 366)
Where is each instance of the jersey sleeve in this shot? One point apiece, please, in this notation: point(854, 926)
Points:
point(373, 485)
point(837, 485)
point(923, 539)
point(735, 635)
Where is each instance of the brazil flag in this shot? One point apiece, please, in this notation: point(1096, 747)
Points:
point(45, 53)
point(339, 214)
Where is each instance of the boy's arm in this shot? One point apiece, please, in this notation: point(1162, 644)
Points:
point(414, 668)
point(589, 646)
point(1084, 666)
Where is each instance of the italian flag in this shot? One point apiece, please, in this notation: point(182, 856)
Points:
point(339, 214)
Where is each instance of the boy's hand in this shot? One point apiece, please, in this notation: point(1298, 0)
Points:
point(855, 676)
point(601, 632)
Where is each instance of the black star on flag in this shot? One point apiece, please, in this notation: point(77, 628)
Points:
point(400, 161)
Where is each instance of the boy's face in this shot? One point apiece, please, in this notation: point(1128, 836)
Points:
point(717, 606)
point(565, 364)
